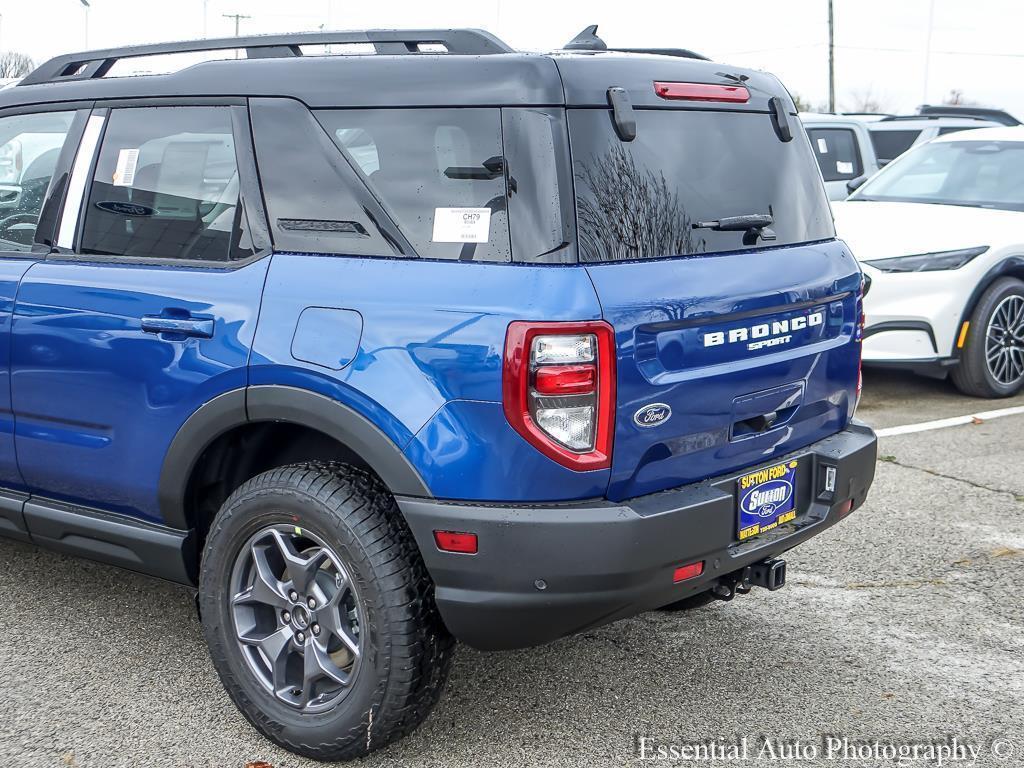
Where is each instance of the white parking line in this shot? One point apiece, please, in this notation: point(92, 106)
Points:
point(955, 421)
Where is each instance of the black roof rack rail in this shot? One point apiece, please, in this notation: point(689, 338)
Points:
point(978, 113)
point(89, 64)
point(933, 116)
point(681, 53)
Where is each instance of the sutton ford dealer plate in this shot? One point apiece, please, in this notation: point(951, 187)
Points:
point(767, 499)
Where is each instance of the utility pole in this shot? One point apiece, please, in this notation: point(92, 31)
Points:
point(831, 59)
point(928, 51)
point(237, 17)
point(85, 4)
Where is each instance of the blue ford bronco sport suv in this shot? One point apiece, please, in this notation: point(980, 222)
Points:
point(446, 341)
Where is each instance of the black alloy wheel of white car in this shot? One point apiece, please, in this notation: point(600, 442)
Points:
point(992, 358)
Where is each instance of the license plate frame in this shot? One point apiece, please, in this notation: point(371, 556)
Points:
point(765, 499)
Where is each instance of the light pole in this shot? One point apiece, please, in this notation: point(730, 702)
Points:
point(928, 51)
point(831, 59)
point(85, 4)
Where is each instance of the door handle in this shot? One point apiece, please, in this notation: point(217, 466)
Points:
point(185, 326)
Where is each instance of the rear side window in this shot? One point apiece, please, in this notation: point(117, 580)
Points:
point(837, 153)
point(891, 144)
point(29, 148)
point(957, 128)
point(440, 173)
point(657, 195)
point(166, 186)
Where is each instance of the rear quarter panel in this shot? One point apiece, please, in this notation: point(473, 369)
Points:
point(425, 363)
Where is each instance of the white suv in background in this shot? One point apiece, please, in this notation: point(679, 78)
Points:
point(851, 148)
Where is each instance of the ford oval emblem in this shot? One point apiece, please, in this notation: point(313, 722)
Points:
point(652, 415)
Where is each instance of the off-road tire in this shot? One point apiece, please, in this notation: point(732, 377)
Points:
point(407, 650)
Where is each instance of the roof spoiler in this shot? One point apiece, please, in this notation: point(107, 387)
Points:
point(587, 40)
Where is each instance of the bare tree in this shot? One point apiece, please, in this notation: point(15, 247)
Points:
point(14, 64)
point(866, 100)
point(626, 212)
point(802, 105)
point(956, 99)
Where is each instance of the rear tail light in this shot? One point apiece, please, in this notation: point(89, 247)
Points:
point(735, 94)
point(559, 390)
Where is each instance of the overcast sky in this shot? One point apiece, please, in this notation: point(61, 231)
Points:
point(880, 44)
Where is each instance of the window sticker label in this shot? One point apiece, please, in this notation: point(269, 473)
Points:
point(822, 146)
point(124, 173)
point(843, 167)
point(461, 225)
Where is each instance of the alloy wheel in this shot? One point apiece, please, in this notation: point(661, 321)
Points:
point(297, 617)
point(1004, 341)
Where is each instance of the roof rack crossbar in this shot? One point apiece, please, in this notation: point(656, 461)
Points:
point(89, 64)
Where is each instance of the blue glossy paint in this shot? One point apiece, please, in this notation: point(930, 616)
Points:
point(12, 266)
point(661, 311)
point(328, 338)
point(98, 400)
point(433, 334)
point(469, 451)
point(416, 347)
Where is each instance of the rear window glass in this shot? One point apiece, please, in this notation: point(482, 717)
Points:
point(891, 144)
point(837, 153)
point(439, 173)
point(645, 198)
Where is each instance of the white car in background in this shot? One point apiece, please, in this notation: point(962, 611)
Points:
point(850, 148)
point(940, 235)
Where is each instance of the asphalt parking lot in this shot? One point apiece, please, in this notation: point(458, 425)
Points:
point(903, 625)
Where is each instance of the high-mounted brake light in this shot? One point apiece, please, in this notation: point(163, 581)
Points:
point(735, 94)
point(559, 390)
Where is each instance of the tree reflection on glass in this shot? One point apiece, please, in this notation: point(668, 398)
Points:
point(626, 212)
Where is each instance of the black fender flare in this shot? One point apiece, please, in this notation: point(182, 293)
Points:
point(1010, 266)
point(282, 404)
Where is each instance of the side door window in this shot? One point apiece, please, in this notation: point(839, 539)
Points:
point(165, 187)
point(891, 144)
point(30, 146)
point(837, 153)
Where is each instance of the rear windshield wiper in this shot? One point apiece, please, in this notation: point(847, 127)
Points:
point(754, 226)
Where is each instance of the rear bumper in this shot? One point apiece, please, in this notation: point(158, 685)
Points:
point(546, 571)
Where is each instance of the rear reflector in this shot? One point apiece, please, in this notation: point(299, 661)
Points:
point(691, 571)
point(735, 94)
point(844, 508)
point(454, 541)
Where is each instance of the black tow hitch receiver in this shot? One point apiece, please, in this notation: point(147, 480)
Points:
point(770, 574)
